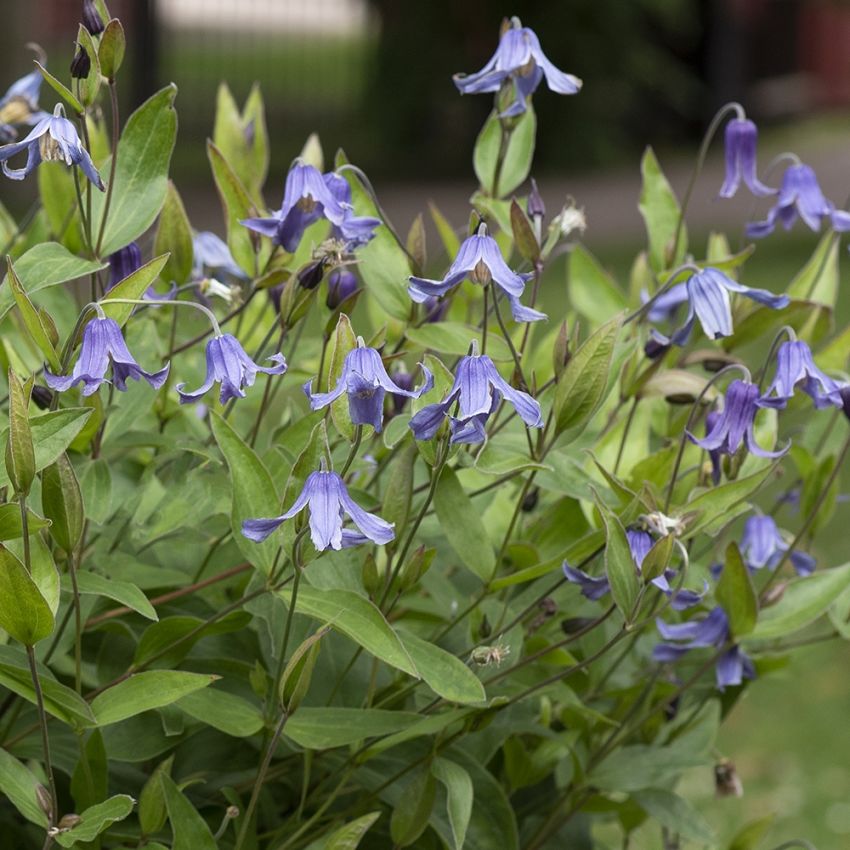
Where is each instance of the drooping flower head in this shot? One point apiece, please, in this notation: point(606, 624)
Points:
point(327, 497)
point(711, 420)
point(102, 344)
point(342, 284)
point(733, 665)
point(762, 545)
point(477, 390)
point(365, 381)
point(795, 367)
point(229, 365)
point(741, 140)
point(54, 138)
point(307, 197)
point(800, 196)
point(708, 299)
point(736, 423)
point(518, 58)
point(479, 259)
point(20, 103)
point(212, 258)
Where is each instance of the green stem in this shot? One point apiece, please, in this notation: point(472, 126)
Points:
point(625, 436)
point(504, 141)
point(113, 97)
point(45, 740)
point(78, 629)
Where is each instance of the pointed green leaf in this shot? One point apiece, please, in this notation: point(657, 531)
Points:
point(20, 454)
point(459, 796)
point(517, 154)
point(619, 564)
point(324, 728)
point(660, 211)
point(24, 613)
point(97, 819)
point(191, 831)
point(19, 786)
point(124, 592)
point(735, 592)
point(346, 837)
point(62, 502)
point(174, 238)
point(32, 320)
point(224, 711)
point(133, 286)
point(443, 672)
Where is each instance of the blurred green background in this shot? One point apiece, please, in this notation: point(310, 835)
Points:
point(375, 78)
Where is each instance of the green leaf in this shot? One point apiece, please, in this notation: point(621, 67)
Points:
point(454, 338)
point(133, 286)
point(141, 173)
point(173, 637)
point(298, 673)
point(96, 819)
point(343, 342)
point(382, 263)
point(593, 292)
point(10, 521)
point(19, 786)
point(355, 617)
point(33, 321)
point(518, 153)
point(191, 831)
point(96, 485)
point(44, 265)
point(803, 601)
point(752, 834)
point(444, 673)
point(61, 89)
point(174, 238)
point(461, 523)
point(226, 712)
point(449, 238)
point(347, 837)
point(236, 204)
point(459, 796)
point(24, 612)
point(254, 494)
point(640, 766)
point(62, 502)
point(324, 728)
point(735, 592)
point(583, 386)
point(619, 564)
point(818, 280)
point(411, 814)
point(144, 691)
point(660, 211)
point(112, 46)
point(93, 584)
point(20, 454)
point(677, 814)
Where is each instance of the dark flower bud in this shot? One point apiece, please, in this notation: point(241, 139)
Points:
point(536, 208)
point(342, 284)
point(529, 503)
point(310, 276)
point(80, 64)
point(655, 349)
point(91, 18)
point(844, 393)
point(435, 309)
point(399, 402)
point(42, 397)
point(123, 263)
point(275, 294)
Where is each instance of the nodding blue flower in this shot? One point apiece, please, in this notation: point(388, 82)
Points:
point(519, 58)
point(708, 300)
point(736, 423)
point(665, 307)
point(762, 545)
point(741, 140)
point(795, 367)
point(327, 497)
point(711, 420)
point(800, 196)
point(342, 284)
point(229, 365)
point(479, 259)
point(212, 258)
point(640, 542)
point(365, 381)
point(102, 344)
point(591, 587)
point(477, 390)
point(20, 103)
point(731, 668)
point(54, 138)
point(307, 197)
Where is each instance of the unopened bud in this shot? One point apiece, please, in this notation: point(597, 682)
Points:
point(42, 796)
point(80, 64)
point(529, 503)
point(232, 812)
point(310, 276)
point(536, 208)
point(561, 350)
point(844, 393)
point(774, 594)
point(42, 397)
point(91, 18)
point(435, 309)
point(342, 284)
point(69, 821)
point(655, 349)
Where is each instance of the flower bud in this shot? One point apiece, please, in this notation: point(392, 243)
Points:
point(529, 503)
point(91, 18)
point(435, 309)
point(342, 284)
point(69, 821)
point(80, 64)
point(123, 263)
point(844, 393)
point(655, 349)
point(536, 208)
point(310, 276)
point(42, 397)
point(44, 800)
point(275, 294)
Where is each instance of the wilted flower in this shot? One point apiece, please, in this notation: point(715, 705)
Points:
point(570, 218)
point(342, 284)
point(327, 497)
point(365, 381)
point(228, 364)
point(795, 366)
point(741, 140)
point(309, 196)
point(54, 138)
point(102, 343)
point(800, 195)
point(762, 545)
point(480, 259)
point(520, 58)
point(736, 423)
point(708, 300)
point(731, 668)
point(478, 389)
